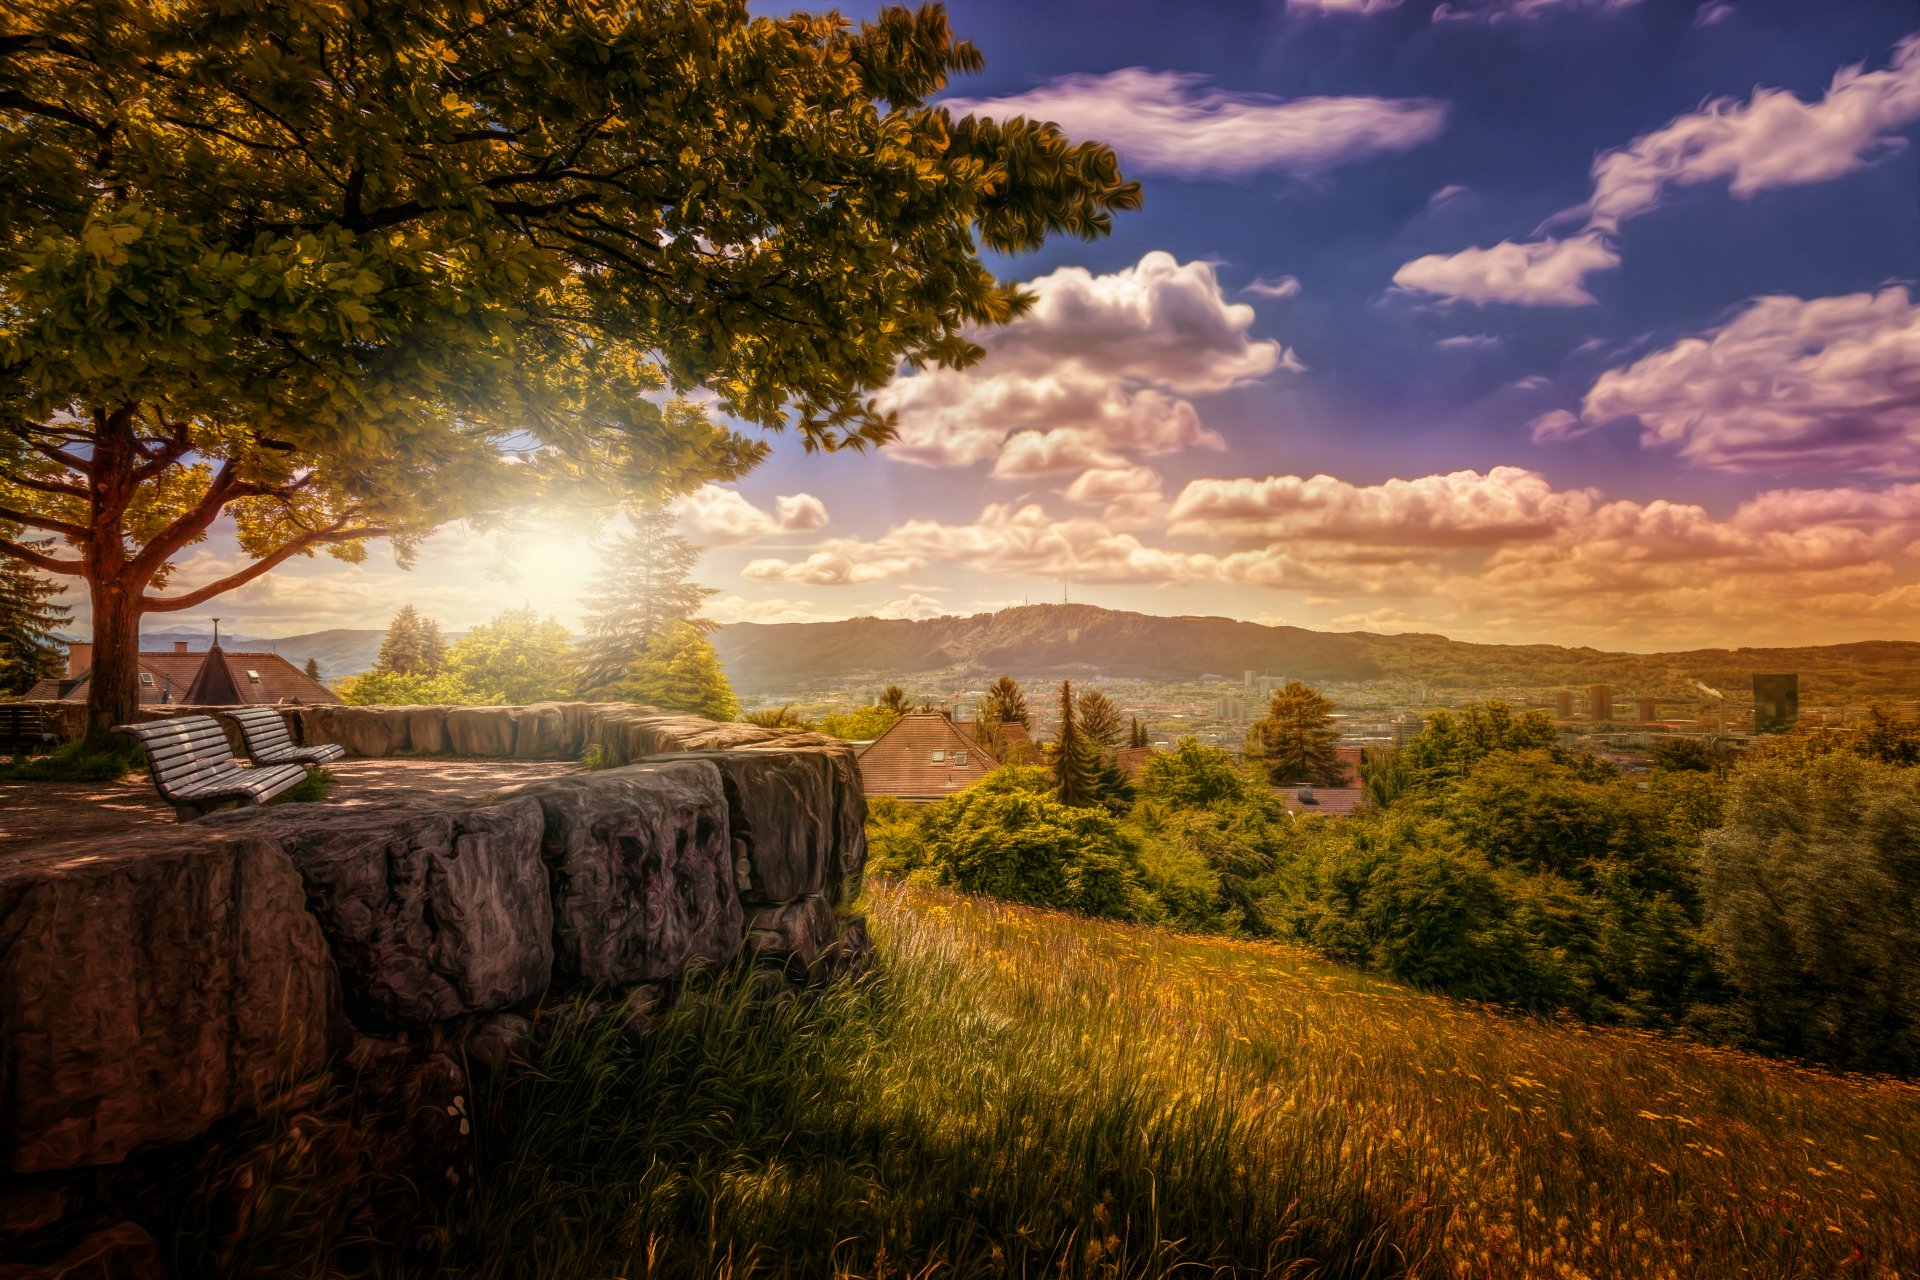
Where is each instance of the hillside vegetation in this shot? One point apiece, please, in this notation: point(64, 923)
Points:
point(1018, 1092)
point(1054, 640)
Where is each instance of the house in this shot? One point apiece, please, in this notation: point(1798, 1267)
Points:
point(1132, 760)
point(925, 756)
point(215, 678)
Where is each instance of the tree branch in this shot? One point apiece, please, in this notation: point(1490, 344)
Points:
point(51, 525)
point(240, 578)
point(190, 524)
point(40, 559)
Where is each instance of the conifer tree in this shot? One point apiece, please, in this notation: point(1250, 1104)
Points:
point(641, 592)
point(28, 651)
point(1100, 718)
point(413, 646)
point(679, 671)
point(1006, 702)
point(1294, 741)
point(313, 670)
point(1075, 760)
point(1138, 738)
point(894, 698)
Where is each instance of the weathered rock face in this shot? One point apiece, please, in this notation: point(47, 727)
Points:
point(433, 915)
point(427, 730)
point(150, 989)
point(802, 929)
point(481, 731)
point(783, 808)
point(642, 871)
point(363, 731)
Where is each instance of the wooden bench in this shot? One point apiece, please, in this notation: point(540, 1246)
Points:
point(23, 730)
point(194, 770)
point(264, 730)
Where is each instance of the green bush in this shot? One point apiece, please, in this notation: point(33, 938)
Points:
point(71, 762)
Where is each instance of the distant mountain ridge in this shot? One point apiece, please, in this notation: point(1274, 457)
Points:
point(341, 651)
point(1063, 640)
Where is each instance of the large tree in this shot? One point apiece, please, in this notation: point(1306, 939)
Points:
point(413, 646)
point(1294, 741)
point(642, 590)
point(1100, 719)
point(1075, 760)
point(342, 272)
point(1005, 703)
point(680, 672)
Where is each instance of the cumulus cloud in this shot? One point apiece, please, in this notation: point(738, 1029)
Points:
point(1554, 425)
point(915, 607)
point(1772, 139)
point(1278, 287)
point(1097, 368)
point(1536, 273)
point(1176, 123)
point(724, 515)
point(1788, 385)
point(831, 568)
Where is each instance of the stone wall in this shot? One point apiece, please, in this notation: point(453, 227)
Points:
point(154, 989)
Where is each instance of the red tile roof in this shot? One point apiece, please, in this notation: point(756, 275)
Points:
point(1132, 760)
point(215, 678)
point(901, 762)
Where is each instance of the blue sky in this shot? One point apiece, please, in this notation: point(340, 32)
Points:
point(1587, 321)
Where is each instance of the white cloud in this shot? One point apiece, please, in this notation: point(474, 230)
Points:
point(831, 568)
point(1540, 273)
point(1556, 424)
point(1444, 194)
point(916, 607)
point(726, 610)
point(1504, 10)
point(1788, 385)
point(725, 515)
point(1097, 368)
point(1470, 342)
point(1176, 123)
point(1277, 287)
point(1712, 13)
point(1771, 140)
point(1341, 6)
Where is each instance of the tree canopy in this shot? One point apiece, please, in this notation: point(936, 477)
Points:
point(679, 671)
point(29, 652)
point(1294, 741)
point(413, 646)
point(337, 273)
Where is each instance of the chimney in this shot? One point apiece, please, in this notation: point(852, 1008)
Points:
point(179, 646)
point(79, 658)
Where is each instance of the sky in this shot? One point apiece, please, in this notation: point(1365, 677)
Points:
point(1577, 321)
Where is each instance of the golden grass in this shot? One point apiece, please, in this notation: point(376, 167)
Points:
point(1425, 1133)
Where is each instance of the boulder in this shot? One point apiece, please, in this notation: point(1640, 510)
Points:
point(801, 930)
point(363, 731)
point(481, 731)
point(151, 986)
point(433, 914)
point(642, 871)
point(427, 728)
point(783, 811)
point(540, 732)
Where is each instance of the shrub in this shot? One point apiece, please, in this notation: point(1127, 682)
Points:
point(72, 762)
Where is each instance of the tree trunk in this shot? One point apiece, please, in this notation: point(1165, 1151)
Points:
point(113, 690)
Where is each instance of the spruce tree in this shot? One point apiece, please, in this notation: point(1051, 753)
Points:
point(1138, 738)
point(413, 646)
point(1006, 702)
point(1294, 741)
point(894, 698)
point(28, 651)
point(1100, 718)
point(641, 592)
point(313, 670)
point(680, 672)
point(1075, 760)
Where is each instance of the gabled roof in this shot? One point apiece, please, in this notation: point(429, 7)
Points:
point(1132, 760)
point(215, 678)
point(1019, 748)
point(901, 762)
point(1329, 802)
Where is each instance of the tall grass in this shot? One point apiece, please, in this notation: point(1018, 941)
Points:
point(1020, 1093)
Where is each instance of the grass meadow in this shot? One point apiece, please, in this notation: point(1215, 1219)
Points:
point(1022, 1093)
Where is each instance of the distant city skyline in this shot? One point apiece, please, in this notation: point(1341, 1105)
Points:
point(1569, 321)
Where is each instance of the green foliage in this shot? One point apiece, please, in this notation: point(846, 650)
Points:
point(1194, 776)
point(385, 689)
point(1099, 719)
point(679, 671)
point(413, 645)
point(1005, 702)
point(777, 718)
point(642, 590)
point(862, 724)
point(893, 698)
point(1812, 901)
point(1075, 760)
point(515, 658)
point(78, 762)
point(1137, 736)
point(1385, 775)
point(1888, 737)
point(442, 260)
point(1453, 742)
point(1688, 754)
point(1014, 843)
point(312, 670)
point(1294, 741)
point(312, 789)
point(29, 651)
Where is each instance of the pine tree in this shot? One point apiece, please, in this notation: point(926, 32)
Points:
point(893, 698)
point(1075, 760)
point(1100, 718)
point(413, 647)
point(641, 592)
point(679, 671)
point(313, 670)
point(1138, 738)
point(28, 651)
point(1006, 702)
point(1294, 741)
